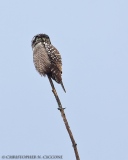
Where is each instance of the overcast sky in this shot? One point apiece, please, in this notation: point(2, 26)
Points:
point(92, 37)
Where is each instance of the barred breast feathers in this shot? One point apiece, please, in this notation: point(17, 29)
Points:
point(41, 59)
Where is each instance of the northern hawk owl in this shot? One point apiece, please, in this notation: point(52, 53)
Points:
point(46, 58)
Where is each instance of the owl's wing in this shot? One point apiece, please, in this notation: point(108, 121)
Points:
point(56, 63)
point(55, 57)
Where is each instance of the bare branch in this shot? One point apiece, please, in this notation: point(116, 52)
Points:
point(64, 119)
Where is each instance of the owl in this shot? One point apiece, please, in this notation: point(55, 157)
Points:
point(46, 58)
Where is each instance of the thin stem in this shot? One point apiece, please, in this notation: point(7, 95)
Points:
point(64, 119)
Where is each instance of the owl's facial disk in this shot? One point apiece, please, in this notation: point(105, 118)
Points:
point(40, 38)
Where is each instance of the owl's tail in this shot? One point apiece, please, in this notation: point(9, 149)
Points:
point(63, 86)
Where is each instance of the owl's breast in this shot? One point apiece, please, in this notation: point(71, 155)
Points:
point(41, 60)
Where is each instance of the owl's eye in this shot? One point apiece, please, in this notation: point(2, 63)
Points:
point(44, 39)
point(38, 39)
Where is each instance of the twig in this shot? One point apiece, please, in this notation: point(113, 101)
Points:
point(64, 119)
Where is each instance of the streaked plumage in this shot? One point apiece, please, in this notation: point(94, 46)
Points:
point(47, 59)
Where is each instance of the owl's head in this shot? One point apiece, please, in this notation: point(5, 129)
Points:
point(40, 38)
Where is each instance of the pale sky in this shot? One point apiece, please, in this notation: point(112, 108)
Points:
point(92, 37)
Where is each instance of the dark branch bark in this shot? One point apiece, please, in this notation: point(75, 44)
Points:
point(64, 119)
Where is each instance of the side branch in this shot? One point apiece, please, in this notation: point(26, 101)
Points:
point(64, 119)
